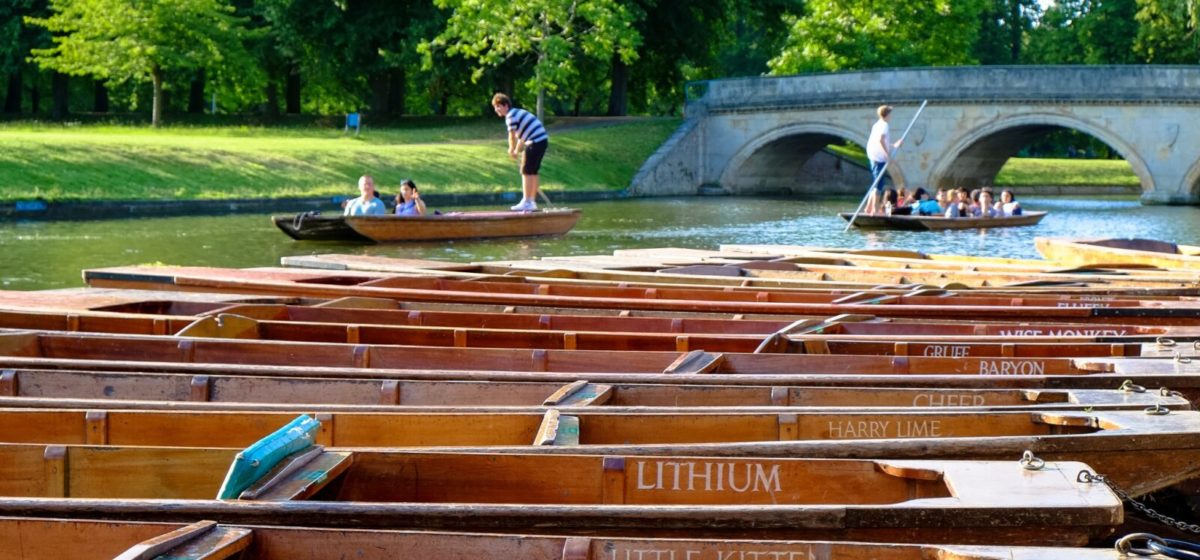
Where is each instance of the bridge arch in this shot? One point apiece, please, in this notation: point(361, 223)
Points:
point(771, 162)
point(974, 159)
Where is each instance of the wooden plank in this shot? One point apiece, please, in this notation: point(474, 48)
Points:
point(614, 480)
point(567, 433)
point(96, 427)
point(578, 548)
point(225, 325)
point(156, 546)
point(200, 388)
point(217, 544)
point(592, 394)
point(303, 480)
point(696, 361)
point(389, 392)
point(54, 459)
point(9, 383)
point(564, 392)
point(548, 430)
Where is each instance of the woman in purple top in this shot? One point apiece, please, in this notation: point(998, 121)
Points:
point(408, 202)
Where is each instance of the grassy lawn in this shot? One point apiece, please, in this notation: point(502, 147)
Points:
point(104, 162)
point(1037, 172)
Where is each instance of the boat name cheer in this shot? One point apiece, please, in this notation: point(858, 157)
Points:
point(707, 476)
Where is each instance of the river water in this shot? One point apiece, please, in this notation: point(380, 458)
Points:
point(51, 254)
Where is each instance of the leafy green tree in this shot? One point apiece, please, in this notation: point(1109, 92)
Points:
point(852, 34)
point(1004, 29)
point(1085, 32)
point(492, 32)
point(1169, 31)
point(143, 40)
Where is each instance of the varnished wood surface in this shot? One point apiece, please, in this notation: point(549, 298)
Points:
point(50, 387)
point(464, 225)
point(1080, 252)
point(102, 540)
point(879, 500)
point(1141, 452)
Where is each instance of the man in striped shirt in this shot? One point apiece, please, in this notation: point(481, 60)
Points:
point(526, 136)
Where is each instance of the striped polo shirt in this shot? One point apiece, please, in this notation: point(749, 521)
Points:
point(527, 126)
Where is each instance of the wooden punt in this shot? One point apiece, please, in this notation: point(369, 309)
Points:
point(1139, 451)
point(784, 273)
point(104, 540)
point(927, 223)
point(48, 388)
point(465, 225)
point(90, 346)
point(287, 282)
point(874, 500)
point(228, 325)
point(308, 226)
point(1119, 252)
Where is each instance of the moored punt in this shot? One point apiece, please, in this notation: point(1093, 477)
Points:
point(925, 223)
point(991, 502)
point(234, 325)
point(104, 540)
point(88, 346)
point(308, 226)
point(788, 273)
point(1139, 451)
point(305, 284)
point(1119, 251)
point(465, 225)
point(89, 389)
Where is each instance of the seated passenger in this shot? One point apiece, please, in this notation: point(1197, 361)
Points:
point(1008, 205)
point(892, 205)
point(925, 206)
point(973, 205)
point(986, 209)
point(368, 204)
point(408, 202)
point(960, 205)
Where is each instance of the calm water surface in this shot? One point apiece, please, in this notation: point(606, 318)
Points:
point(42, 255)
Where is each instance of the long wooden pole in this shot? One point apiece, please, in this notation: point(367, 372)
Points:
point(882, 173)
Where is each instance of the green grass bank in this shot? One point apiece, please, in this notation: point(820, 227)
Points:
point(106, 162)
point(98, 162)
point(1041, 172)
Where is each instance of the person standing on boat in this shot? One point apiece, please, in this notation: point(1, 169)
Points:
point(879, 151)
point(526, 136)
point(408, 202)
point(368, 203)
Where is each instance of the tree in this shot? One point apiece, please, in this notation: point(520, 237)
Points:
point(1005, 26)
point(142, 40)
point(852, 34)
point(1169, 31)
point(491, 32)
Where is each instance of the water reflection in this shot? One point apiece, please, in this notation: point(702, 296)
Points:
point(40, 255)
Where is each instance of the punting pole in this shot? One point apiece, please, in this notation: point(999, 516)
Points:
point(883, 173)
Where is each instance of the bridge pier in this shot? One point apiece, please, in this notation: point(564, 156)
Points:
point(767, 135)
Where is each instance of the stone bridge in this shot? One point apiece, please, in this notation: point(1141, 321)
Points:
point(760, 135)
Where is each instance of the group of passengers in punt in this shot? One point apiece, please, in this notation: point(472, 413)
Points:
point(407, 203)
point(950, 203)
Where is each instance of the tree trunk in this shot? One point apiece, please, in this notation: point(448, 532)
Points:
point(157, 107)
point(379, 93)
point(100, 98)
point(397, 90)
point(271, 109)
point(35, 97)
point(618, 97)
point(1015, 30)
point(61, 95)
point(196, 95)
point(12, 99)
point(443, 103)
point(292, 92)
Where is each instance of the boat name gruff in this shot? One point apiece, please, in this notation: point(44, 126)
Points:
point(710, 554)
point(946, 350)
point(860, 429)
point(708, 476)
point(1024, 367)
point(1064, 332)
